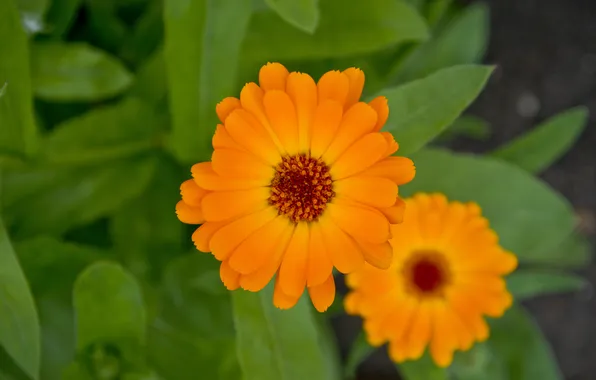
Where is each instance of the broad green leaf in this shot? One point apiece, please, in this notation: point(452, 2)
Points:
point(480, 362)
point(150, 82)
point(273, 343)
point(19, 324)
point(32, 14)
point(435, 11)
point(463, 41)
point(330, 349)
point(64, 72)
point(517, 340)
point(302, 14)
point(526, 283)
point(18, 133)
point(574, 252)
point(540, 147)
point(146, 35)
point(105, 28)
point(345, 28)
point(422, 369)
point(60, 16)
point(202, 44)
point(72, 197)
point(420, 110)
point(358, 353)
point(110, 314)
point(528, 216)
point(466, 126)
point(106, 133)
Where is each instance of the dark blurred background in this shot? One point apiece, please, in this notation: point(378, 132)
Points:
point(545, 52)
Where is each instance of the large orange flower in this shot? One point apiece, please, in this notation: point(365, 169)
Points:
point(301, 180)
point(446, 275)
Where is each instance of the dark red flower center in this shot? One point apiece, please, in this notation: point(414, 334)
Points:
point(426, 272)
point(301, 188)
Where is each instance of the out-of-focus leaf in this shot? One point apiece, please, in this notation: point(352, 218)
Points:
point(528, 216)
point(420, 110)
point(302, 14)
point(32, 14)
point(423, 368)
point(116, 131)
point(76, 71)
point(463, 41)
point(110, 314)
point(57, 334)
point(331, 354)
point(105, 28)
point(467, 126)
point(480, 362)
point(60, 16)
point(345, 28)
point(195, 326)
point(273, 343)
point(150, 82)
point(71, 197)
point(517, 340)
point(146, 35)
point(202, 43)
point(18, 133)
point(358, 353)
point(540, 147)
point(436, 10)
point(574, 252)
point(19, 324)
point(527, 283)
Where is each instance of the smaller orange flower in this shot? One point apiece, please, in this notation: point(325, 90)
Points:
point(445, 276)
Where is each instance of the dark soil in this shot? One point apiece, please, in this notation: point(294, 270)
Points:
point(546, 56)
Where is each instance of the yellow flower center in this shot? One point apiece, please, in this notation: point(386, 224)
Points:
point(301, 188)
point(427, 273)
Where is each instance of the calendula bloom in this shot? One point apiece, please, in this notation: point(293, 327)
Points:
point(301, 180)
point(446, 275)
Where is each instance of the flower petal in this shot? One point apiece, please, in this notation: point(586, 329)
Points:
point(377, 255)
point(282, 300)
point(303, 92)
point(319, 262)
point(191, 193)
point(273, 76)
point(322, 295)
point(234, 163)
point(207, 178)
point(395, 213)
point(202, 235)
point(229, 277)
point(189, 214)
point(379, 104)
point(224, 205)
point(373, 191)
point(222, 139)
point(225, 107)
point(283, 120)
point(400, 170)
point(360, 222)
point(343, 251)
point(254, 138)
point(227, 238)
point(364, 153)
point(356, 77)
point(328, 116)
point(334, 85)
point(292, 272)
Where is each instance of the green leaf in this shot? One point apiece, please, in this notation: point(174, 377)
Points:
point(422, 369)
point(480, 362)
point(466, 126)
point(32, 14)
point(524, 284)
point(540, 147)
point(420, 110)
point(150, 83)
point(574, 252)
point(202, 43)
point(19, 324)
point(110, 132)
point(18, 132)
point(109, 312)
point(72, 197)
point(528, 355)
point(146, 35)
point(463, 41)
point(302, 14)
point(345, 28)
point(273, 343)
point(358, 353)
point(436, 10)
point(528, 216)
point(64, 72)
point(60, 16)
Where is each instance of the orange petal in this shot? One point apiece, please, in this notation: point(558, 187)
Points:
point(234, 163)
point(228, 276)
point(227, 238)
point(443, 341)
point(335, 86)
point(379, 104)
point(202, 235)
point(283, 120)
point(258, 279)
point(206, 178)
point(322, 295)
point(343, 251)
point(364, 153)
point(224, 205)
point(356, 77)
point(360, 222)
point(319, 262)
point(373, 191)
point(222, 139)
point(377, 255)
point(395, 213)
point(273, 76)
point(225, 107)
point(191, 193)
point(259, 247)
point(292, 272)
point(359, 120)
point(418, 335)
point(303, 92)
point(328, 116)
point(392, 145)
point(253, 138)
point(282, 300)
point(189, 214)
point(400, 170)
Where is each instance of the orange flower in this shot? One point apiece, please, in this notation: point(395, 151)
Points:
point(300, 181)
point(446, 275)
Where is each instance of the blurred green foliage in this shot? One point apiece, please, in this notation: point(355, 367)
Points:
point(104, 105)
